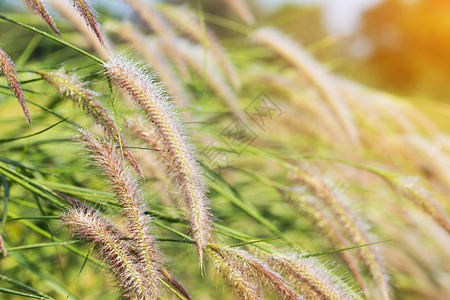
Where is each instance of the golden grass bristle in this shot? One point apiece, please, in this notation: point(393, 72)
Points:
point(429, 159)
point(193, 55)
point(307, 66)
point(308, 207)
point(257, 270)
point(306, 102)
point(2, 247)
point(243, 286)
point(310, 277)
point(409, 188)
point(114, 251)
point(38, 7)
point(7, 68)
point(152, 165)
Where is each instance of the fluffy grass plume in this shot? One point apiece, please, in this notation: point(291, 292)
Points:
point(256, 270)
point(242, 10)
point(115, 252)
point(242, 285)
point(90, 17)
point(351, 225)
point(194, 55)
point(70, 14)
point(151, 98)
point(309, 207)
point(310, 277)
point(152, 53)
point(38, 7)
point(130, 197)
point(73, 88)
point(7, 68)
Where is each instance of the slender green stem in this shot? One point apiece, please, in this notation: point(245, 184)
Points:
point(56, 39)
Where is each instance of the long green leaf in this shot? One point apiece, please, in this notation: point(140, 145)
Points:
point(56, 39)
point(31, 135)
point(25, 287)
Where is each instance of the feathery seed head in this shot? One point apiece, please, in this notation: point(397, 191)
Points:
point(174, 144)
point(114, 250)
point(132, 201)
point(90, 17)
point(73, 88)
point(313, 279)
point(7, 67)
point(244, 286)
point(351, 226)
point(251, 266)
point(38, 7)
point(307, 66)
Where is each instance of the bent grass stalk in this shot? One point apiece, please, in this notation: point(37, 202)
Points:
point(256, 269)
point(192, 54)
point(248, 275)
point(242, 285)
point(310, 277)
point(71, 14)
point(242, 10)
point(312, 211)
point(154, 56)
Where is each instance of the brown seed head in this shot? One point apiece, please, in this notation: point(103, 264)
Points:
point(39, 8)
point(7, 67)
point(90, 16)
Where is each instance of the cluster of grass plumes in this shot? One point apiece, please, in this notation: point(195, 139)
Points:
point(132, 202)
point(174, 144)
point(230, 194)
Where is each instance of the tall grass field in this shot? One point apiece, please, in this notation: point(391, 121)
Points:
point(179, 154)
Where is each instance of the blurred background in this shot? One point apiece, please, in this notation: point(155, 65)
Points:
point(400, 46)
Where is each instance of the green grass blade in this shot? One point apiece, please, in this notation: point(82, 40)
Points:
point(343, 249)
point(226, 191)
point(24, 286)
point(56, 39)
point(14, 292)
point(6, 202)
point(32, 186)
point(41, 245)
point(31, 135)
